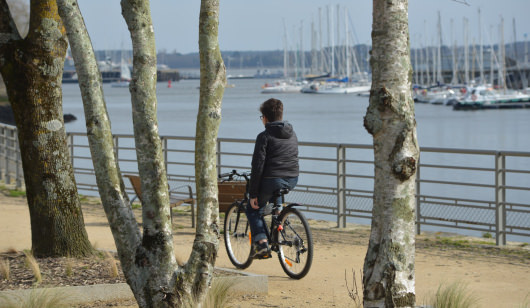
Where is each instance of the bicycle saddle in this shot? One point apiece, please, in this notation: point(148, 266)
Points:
point(281, 192)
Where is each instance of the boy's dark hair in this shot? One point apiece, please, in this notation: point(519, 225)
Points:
point(272, 109)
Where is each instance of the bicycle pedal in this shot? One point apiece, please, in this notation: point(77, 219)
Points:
point(262, 257)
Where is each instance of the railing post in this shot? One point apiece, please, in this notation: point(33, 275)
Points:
point(70, 138)
point(3, 150)
point(116, 148)
point(7, 177)
point(18, 163)
point(418, 199)
point(341, 186)
point(500, 199)
point(164, 150)
point(218, 156)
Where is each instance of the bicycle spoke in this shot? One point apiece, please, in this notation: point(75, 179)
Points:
point(237, 237)
point(295, 244)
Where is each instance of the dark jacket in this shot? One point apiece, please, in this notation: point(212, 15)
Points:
point(275, 154)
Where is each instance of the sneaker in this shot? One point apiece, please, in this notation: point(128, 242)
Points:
point(261, 250)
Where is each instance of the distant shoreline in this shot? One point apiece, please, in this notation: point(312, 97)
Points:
point(7, 116)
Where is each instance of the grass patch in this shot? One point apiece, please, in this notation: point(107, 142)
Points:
point(217, 296)
point(526, 302)
point(32, 264)
point(487, 235)
point(460, 243)
point(112, 266)
point(69, 270)
point(44, 298)
point(17, 193)
point(454, 295)
point(4, 269)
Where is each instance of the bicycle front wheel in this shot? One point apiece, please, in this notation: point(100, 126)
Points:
point(295, 244)
point(237, 237)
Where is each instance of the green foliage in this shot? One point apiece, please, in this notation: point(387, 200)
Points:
point(454, 295)
point(460, 243)
point(487, 235)
point(17, 193)
point(42, 298)
point(136, 206)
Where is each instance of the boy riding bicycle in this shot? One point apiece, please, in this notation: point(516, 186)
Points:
point(274, 167)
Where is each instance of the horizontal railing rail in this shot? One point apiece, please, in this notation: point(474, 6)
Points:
point(476, 190)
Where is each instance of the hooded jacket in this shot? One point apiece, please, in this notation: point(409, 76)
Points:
point(275, 154)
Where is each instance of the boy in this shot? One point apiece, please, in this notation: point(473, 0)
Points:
point(274, 166)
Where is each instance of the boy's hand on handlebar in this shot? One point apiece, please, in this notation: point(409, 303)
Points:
point(254, 203)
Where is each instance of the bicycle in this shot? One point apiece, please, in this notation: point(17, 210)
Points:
point(289, 234)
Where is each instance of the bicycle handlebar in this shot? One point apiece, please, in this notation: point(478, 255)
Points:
point(230, 175)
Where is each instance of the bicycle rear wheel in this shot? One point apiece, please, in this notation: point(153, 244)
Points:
point(237, 236)
point(295, 244)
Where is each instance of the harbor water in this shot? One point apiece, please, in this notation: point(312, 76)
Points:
point(320, 118)
point(336, 118)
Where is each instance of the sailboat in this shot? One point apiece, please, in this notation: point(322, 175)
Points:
point(125, 76)
point(342, 85)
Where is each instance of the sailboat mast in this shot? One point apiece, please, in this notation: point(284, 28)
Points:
point(481, 52)
point(347, 45)
point(416, 79)
point(330, 48)
point(427, 55)
point(502, 56)
point(285, 52)
point(321, 58)
point(302, 51)
point(454, 80)
point(466, 52)
point(314, 63)
point(492, 58)
point(422, 61)
point(473, 62)
point(332, 44)
point(439, 77)
point(525, 78)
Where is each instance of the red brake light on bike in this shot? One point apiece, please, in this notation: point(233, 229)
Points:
point(280, 227)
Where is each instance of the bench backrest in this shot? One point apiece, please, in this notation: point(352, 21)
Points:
point(229, 192)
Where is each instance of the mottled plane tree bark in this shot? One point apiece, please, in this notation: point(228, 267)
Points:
point(147, 259)
point(32, 69)
point(389, 264)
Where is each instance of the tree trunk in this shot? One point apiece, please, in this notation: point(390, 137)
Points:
point(389, 264)
point(148, 261)
point(32, 70)
point(114, 198)
point(212, 83)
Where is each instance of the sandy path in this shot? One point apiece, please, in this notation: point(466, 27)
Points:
point(499, 278)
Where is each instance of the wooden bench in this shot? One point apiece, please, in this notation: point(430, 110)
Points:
point(229, 192)
point(184, 197)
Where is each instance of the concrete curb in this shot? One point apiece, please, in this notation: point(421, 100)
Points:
point(244, 282)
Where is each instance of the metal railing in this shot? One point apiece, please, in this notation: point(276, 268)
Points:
point(477, 190)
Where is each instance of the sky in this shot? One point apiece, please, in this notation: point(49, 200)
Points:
point(246, 25)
